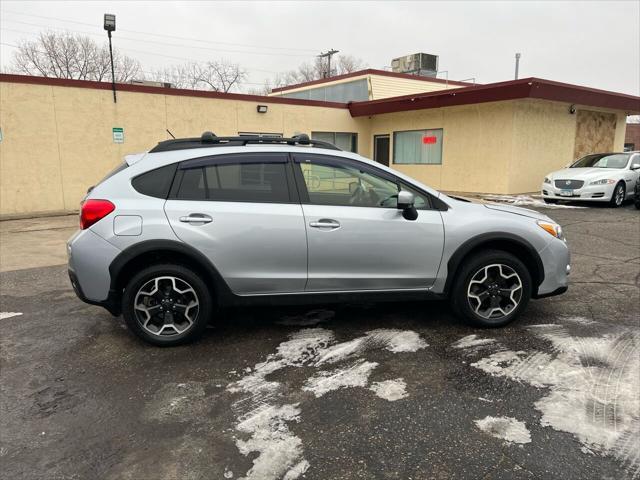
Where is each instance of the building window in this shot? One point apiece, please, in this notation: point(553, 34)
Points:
point(356, 91)
point(418, 147)
point(342, 140)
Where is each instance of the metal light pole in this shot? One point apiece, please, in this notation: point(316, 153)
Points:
point(110, 26)
point(517, 64)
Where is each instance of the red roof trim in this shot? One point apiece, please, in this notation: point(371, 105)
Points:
point(125, 87)
point(371, 71)
point(511, 90)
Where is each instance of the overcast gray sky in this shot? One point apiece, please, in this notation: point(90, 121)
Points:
point(592, 43)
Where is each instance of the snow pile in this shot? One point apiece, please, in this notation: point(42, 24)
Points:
point(472, 341)
point(4, 315)
point(356, 375)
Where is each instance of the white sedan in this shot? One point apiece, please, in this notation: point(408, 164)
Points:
point(601, 177)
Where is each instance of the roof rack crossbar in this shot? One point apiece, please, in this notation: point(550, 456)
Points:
point(209, 139)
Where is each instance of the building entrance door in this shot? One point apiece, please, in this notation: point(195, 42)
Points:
point(381, 149)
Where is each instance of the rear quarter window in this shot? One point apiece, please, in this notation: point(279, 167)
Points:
point(155, 183)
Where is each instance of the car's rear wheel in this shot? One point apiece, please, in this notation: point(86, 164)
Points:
point(491, 289)
point(618, 195)
point(167, 305)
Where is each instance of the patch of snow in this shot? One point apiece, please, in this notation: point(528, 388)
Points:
point(505, 428)
point(228, 473)
point(524, 200)
point(263, 413)
point(4, 315)
point(279, 450)
point(482, 399)
point(356, 375)
point(390, 390)
point(397, 341)
point(593, 385)
point(296, 471)
point(471, 341)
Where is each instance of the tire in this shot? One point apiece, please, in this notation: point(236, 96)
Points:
point(617, 199)
point(181, 305)
point(498, 264)
point(550, 200)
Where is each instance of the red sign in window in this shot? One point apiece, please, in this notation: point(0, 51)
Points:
point(429, 140)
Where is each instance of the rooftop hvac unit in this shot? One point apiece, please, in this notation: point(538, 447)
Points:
point(417, 64)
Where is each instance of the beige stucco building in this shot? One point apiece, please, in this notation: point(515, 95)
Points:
point(61, 136)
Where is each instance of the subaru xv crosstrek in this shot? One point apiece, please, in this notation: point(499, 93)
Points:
point(196, 224)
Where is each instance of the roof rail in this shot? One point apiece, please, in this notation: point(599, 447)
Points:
point(209, 139)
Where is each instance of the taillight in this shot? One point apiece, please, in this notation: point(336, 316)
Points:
point(92, 211)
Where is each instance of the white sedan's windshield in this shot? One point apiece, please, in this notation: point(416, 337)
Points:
point(608, 160)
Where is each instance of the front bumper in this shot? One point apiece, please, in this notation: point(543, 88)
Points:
point(591, 193)
point(556, 261)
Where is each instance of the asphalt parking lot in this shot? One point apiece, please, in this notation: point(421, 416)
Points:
point(389, 391)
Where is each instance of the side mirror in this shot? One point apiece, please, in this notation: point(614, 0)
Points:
point(635, 165)
point(406, 202)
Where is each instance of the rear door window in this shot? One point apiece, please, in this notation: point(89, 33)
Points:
point(236, 178)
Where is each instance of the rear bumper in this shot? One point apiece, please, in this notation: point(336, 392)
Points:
point(89, 258)
point(112, 302)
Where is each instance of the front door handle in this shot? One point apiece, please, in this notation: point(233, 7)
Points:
point(325, 223)
point(196, 218)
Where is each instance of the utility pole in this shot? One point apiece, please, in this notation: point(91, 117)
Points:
point(328, 56)
point(110, 26)
point(517, 64)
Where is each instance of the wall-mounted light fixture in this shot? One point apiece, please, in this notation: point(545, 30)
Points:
point(572, 109)
point(262, 108)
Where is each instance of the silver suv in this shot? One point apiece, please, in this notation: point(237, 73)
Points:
point(196, 224)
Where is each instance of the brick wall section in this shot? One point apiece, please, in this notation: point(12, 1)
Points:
point(633, 135)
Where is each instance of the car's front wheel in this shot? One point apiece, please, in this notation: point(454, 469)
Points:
point(617, 198)
point(167, 305)
point(491, 289)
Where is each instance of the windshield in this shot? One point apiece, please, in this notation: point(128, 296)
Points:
point(603, 160)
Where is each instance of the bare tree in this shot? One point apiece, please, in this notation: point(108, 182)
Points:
point(65, 55)
point(349, 64)
point(316, 70)
point(218, 76)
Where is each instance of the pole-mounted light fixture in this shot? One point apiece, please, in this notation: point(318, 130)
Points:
point(110, 26)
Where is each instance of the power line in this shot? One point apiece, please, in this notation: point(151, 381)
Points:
point(164, 35)
point(148, 72)
point(328, 54)
point(246, 52)
point(143, 52)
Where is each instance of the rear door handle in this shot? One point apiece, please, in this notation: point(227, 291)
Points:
point(196, 218)
point(325, 223)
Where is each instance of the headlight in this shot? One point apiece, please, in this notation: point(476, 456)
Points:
point(547, 180)
point(604, 181)
point(552, 229)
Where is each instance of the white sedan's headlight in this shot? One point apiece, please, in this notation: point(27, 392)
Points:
point(547, 180)
point(603, 181)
